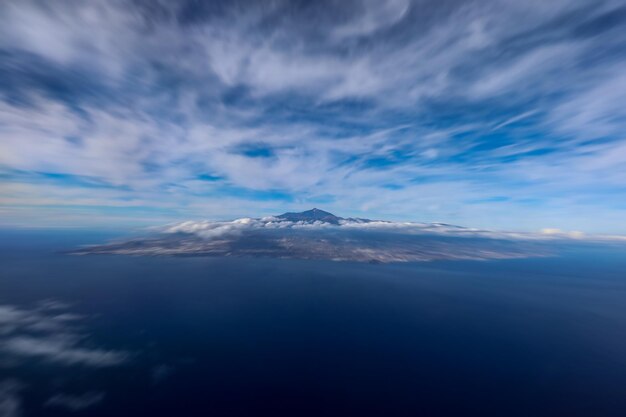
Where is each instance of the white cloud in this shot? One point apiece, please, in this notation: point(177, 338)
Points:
point(530, 72)
point(48, 333)
point(10, 402)
point(52, 335)
point(148, 133)
point(216, 230)
point(61, 350)
point(374, 15)
point(76, 402)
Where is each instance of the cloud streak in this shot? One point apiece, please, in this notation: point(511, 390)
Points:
point(75, 402)
point(10, 402)
point(48, 335)
point(52, 336)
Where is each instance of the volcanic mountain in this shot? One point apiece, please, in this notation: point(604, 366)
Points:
point(312, 215)
point(317, 215)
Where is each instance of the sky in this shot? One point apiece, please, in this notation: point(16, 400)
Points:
point(499, 114)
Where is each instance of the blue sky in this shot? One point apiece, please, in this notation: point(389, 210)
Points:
point(498, 114)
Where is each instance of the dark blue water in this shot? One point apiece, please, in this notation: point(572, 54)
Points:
point(235, 337)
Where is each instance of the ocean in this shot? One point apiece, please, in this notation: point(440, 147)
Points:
point(202, 336)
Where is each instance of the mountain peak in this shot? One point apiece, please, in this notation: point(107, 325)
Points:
point(312, 215)
point(317, 212)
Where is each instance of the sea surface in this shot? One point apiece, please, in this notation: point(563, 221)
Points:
point(271, 337)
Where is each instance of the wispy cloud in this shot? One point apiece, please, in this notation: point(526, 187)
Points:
point(395, 109)
point(52, 335)
point(10, 402)
point(76, 402)
point(62, 350)
point(48, 334)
